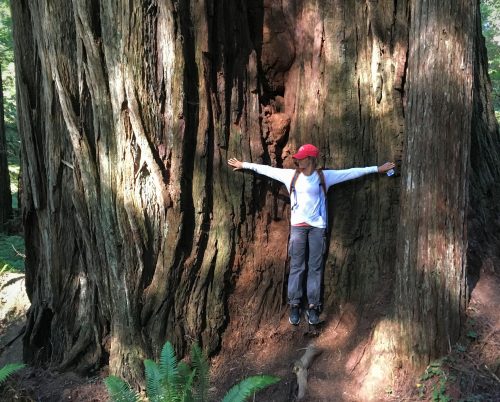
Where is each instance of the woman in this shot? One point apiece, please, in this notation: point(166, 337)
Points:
point(307, 187)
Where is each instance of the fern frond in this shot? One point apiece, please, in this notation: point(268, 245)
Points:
point(168, 364)
point(8, 370)
point(186, 388)
point(154, 387)
point(183, 373)
point(169, 373)
point(202, 378)
point(119, 390)
point(241, 391)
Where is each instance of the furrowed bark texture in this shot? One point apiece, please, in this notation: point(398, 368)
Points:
point(451, 159)
point(136, 230)
point(5, 195)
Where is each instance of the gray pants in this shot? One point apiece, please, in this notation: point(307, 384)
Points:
point(300, 238)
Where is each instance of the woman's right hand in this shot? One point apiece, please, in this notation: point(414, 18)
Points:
point(235, 164)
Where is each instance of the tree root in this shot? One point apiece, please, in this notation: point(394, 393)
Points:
point(301, 366)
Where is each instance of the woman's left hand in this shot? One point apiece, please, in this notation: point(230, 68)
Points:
point(386, 166)
point(235, 164)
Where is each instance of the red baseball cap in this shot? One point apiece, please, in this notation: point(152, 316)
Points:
point(305, 151)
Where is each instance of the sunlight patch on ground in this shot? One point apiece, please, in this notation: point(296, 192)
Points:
point(13, 299)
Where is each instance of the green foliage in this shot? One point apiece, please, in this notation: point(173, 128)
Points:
point(9, 93)
point(168, 371)
point(7, 63)
point(435, 369)
point(472, 334)
point(490, 13)
point(202, 379)
point(10, 246)
point(248, 387)
point(119, 390)
point(5, 33)
point(153, 380)
point(173, 381)
point(8, 370)
point(439, 392)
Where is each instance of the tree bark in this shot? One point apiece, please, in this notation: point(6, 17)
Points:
point(137, 231)
point(5, 194)
point(430, 296)
point(445, 181)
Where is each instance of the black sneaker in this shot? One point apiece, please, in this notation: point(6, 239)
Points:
point(294, 317)
point(313, 315)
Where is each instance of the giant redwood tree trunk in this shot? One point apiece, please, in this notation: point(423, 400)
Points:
point(451, 162)
point(5, 195)
point(431, 264)
point(136, 230)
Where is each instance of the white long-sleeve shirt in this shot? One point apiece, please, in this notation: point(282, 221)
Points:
point(308, 201)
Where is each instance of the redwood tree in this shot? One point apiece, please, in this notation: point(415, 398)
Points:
point(138, 232)
point(447, 226)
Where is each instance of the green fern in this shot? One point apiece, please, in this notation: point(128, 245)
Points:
point(241, 391)
point(154, 387)
point(8, 370)
point(169, 372)
point(202, 379)
point(171, 381)
point(186, 388)
point(119, 390)
point(183, 372)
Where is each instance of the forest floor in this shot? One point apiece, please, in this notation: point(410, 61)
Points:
point(342, 372)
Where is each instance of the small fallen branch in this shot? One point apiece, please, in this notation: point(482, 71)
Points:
point(18, 253)
point(492, 373)
point(301, 366)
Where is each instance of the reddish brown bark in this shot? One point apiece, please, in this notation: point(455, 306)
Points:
point(137, 231)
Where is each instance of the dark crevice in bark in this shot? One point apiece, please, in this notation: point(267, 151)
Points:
point(229, 288)
point(403, 83)
point(204, 317)
point(207, 207)
point(38, 329)
point(254, 20)
point(360, 114)
point(394, 27)
point(228, 68)
point(95, 18)
point(191, 119)
point(86, 116)
point(31, 234)
point(37, 145)
point(188, 126)
point(152, 73)
point(148, 255)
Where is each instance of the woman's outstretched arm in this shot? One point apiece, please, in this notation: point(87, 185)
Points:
point(282, 175)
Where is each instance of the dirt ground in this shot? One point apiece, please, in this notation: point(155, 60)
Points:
point(348, 368)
